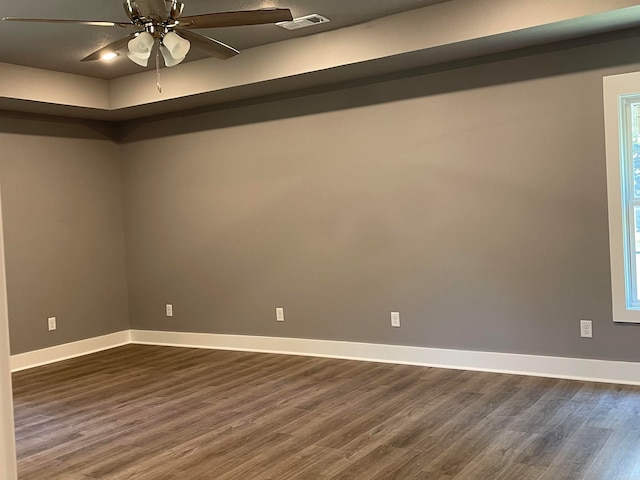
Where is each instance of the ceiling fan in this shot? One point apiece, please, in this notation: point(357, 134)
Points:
point(160, 22)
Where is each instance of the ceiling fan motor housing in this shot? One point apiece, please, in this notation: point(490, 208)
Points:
point(151, 16)
point(132, 10)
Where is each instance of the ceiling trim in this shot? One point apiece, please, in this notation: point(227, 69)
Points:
point(438, 33)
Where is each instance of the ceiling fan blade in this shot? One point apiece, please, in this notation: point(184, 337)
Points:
point(210, 46)
point(95, 23)
point(154, 9)
point(235, 19)
point(112, 47)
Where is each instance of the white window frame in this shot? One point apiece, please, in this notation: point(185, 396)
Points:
point(618, 89)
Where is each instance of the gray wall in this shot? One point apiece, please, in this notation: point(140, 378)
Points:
point(63, 226)
point(472, 200)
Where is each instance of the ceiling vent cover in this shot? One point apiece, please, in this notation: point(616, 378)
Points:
point(301, 22)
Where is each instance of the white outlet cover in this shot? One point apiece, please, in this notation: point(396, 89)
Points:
point(586, 328)
point(169, 310)
point(395, 319)
point(280, 314)
point(51, 322)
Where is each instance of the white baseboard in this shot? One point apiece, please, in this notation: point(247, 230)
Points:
point(44, 356)
point(606, 371)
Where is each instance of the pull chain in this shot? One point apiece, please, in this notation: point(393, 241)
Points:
point(158, 67)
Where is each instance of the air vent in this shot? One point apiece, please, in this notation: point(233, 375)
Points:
point(301, 22)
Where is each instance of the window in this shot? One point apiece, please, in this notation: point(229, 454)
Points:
point(622, 132)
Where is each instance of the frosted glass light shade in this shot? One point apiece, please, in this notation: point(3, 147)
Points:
point(169, 61)
point(140, 61)
point(140, 48)
point(177, 46)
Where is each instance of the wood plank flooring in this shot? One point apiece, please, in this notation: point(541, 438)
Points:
point(156, 413)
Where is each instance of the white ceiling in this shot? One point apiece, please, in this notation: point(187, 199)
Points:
point(60, 47)
point(374, 38)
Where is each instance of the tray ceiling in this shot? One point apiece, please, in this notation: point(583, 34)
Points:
point(60, 47)
point(364, 39)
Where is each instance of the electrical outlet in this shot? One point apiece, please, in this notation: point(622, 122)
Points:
point(280, 314)
point(395, 319)
point(169, 310)
point(586, 328)
point(51, 321)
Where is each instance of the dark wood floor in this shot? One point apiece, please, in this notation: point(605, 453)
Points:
point(145, 412)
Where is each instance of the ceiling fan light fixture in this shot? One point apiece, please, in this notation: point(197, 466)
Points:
point(140, 48)
point(176, 46)
point(135, 59)
point(169, 61)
